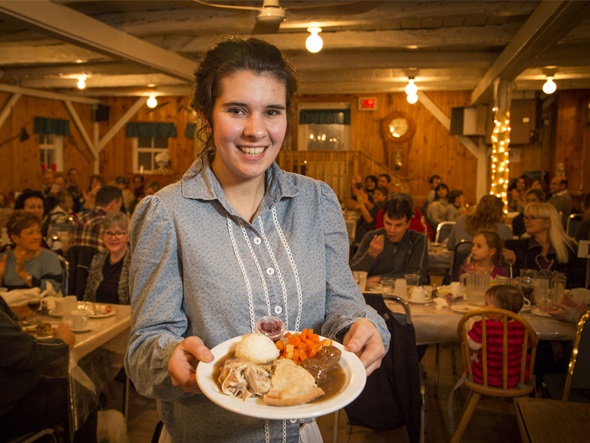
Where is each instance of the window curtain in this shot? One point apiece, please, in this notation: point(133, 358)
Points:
point(147, 129)
point(42, 125)
point(189, 131)
point(324, 117)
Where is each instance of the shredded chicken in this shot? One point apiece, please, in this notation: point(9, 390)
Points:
point(241, 378)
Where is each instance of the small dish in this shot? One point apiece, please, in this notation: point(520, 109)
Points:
point(539, 312)
point(463, 309)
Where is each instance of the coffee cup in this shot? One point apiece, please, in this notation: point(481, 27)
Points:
point(79, 319)
point(419, 295)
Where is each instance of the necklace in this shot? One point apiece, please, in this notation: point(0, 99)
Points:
point(543, 263)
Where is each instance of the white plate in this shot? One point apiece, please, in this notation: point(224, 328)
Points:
point(537, 311)
point(79, 331)
point(420, 302)
point(255, 407)
point(463, 309)
point(108, 314)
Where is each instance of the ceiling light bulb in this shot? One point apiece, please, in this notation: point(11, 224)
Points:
point(314, 42)
point(411, 88)
point(152, 102)
point(412, 98)
point(81, 82)
point(549, 87)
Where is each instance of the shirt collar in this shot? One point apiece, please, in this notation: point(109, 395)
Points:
point(200, 183)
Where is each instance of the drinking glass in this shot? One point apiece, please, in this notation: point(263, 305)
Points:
point(526, 283)
point(412, 280)
point(387, 285)
point(541, 290)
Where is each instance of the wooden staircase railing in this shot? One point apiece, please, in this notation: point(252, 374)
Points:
point(336, 168)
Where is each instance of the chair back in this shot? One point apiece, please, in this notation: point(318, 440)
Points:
point(460, 254)
point(506, 337)
point(443, 230)
point(573, 221)
point(578, 374)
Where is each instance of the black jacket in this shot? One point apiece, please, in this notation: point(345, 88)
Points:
point(21, 358)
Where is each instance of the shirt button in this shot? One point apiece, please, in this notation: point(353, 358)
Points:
point(270, 271)
point(257, 240)
point(278, 310)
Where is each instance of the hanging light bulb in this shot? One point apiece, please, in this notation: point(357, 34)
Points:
point(411, 88)
point(412, 98)
point(81, 82)
point(314, 42)
point(152, 102)
point(549, 86)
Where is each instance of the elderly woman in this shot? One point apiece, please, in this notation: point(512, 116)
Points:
point(488, 215)
point(28, 265)
point(548, 247)
point(108, 276)
point(32, 201)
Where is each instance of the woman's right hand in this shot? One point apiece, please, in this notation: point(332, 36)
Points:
point(183, 363)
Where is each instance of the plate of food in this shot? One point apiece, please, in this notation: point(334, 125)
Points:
point(99, 310)
point(43, 329)
point(541, 312)
point(281, 389)
point(463, 309)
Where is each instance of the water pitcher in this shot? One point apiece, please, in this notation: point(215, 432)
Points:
point(476, 284)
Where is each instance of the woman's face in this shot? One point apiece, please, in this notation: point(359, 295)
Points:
point(370, 185)
point(35, 206)
point(249, 126)
point(29, 238)
point(536, 225)
point(520, 184)
point(532, 198)
point(115, 238)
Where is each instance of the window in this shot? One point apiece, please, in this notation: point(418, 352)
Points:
point(146, 149)
point(324, 127)
point(51, 149)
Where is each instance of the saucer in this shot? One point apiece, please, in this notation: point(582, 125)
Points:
point(54, 313)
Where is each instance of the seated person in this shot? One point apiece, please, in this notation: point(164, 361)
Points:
point(583, 231)
point(437, 210)
point(29, 401)
point(507, 297)
point(28, 265)
point(60, 224)
point(368, 217)
point(486, 255)
point(456, 206)
point(531, 196)
point(394, 249)
point(108, 277)
point(548, 247)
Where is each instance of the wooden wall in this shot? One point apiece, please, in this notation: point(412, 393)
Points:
point(432, 150)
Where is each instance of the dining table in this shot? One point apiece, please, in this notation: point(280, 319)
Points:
point(95, 359)
point(436, 321)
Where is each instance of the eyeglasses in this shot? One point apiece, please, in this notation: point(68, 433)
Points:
point(534, 217)
point(110, 234)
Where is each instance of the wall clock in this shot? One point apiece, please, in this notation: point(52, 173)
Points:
point(398, 127)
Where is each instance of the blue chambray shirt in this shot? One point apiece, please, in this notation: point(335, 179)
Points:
point(199, 269)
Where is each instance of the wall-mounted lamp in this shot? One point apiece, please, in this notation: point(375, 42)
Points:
point(152, 102)
point(314, 42)
point(411, 91)
point(81, 82)
point(549, 86)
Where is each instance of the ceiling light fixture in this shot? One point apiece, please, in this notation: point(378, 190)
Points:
point(314, 42)
point(152, 102)
point(411, 91)
point(81, 82)
point(412, 98)
point(549, 86)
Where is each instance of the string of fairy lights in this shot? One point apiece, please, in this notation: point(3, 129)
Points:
point(500, 159)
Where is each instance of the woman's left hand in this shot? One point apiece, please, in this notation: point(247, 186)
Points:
point(364, 340)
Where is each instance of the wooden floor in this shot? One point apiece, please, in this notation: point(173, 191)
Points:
point(493, 420)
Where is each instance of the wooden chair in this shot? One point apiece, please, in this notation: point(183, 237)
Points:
point(528, 349)
point(443, 230)
point(571, 386)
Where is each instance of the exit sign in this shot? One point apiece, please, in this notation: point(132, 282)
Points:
point(367, 103)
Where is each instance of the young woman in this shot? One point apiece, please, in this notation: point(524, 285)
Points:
point(234, 240)
point(437, 210)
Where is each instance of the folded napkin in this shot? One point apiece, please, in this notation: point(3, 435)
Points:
point(440, 303)
point(20, 296)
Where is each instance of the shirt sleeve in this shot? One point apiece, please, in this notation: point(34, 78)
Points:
point(362, 260)
point(344, 302)
point(158, 321)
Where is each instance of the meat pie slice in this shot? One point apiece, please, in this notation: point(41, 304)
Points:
point(291, 385)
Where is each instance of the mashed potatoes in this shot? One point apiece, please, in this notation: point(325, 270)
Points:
point(257, 348)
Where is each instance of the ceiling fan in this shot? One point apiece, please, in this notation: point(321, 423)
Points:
point(271, 14)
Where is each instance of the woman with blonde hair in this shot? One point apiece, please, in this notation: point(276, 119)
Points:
point(488, 215)
point(547, 246)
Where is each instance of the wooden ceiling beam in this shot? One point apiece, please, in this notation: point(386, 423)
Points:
point(544, 28)
point(68, 25)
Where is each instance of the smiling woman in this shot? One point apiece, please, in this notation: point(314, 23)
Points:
point(237, 239)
